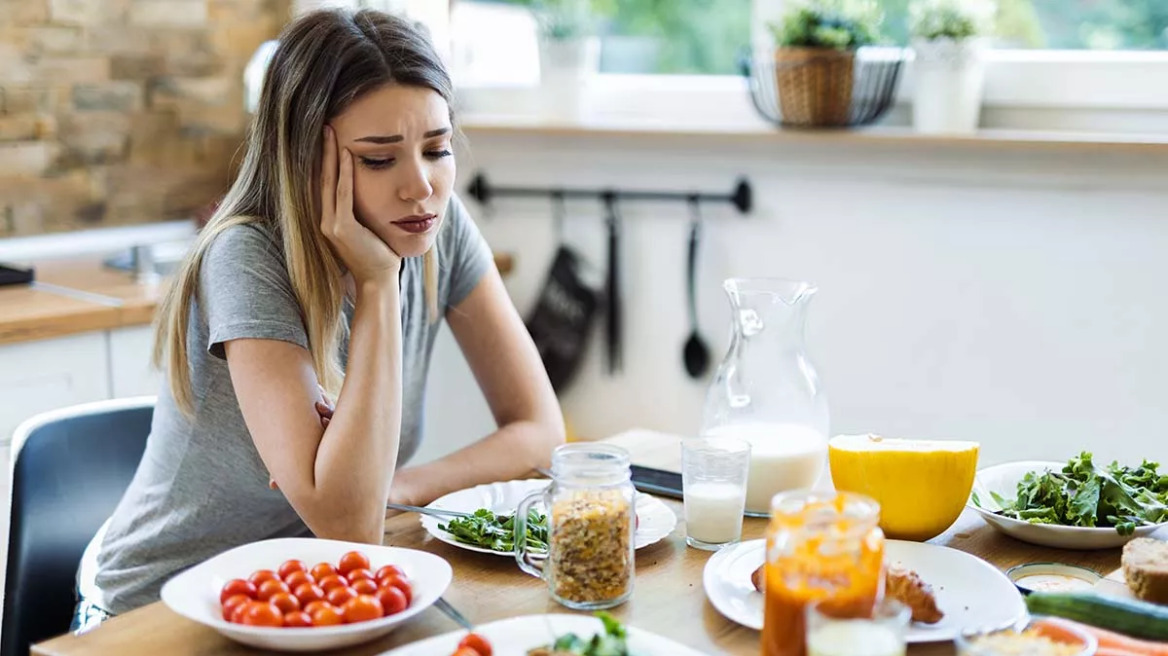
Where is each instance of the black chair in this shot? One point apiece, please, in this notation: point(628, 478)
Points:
point(70, 468)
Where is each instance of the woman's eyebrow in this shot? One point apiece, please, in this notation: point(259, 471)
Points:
point(388, 139)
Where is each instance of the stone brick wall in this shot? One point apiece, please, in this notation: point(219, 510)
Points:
point(115, 112)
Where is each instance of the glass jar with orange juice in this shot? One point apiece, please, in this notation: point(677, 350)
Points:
point(823, 547)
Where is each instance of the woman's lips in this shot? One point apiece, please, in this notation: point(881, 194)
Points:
point(416, 224)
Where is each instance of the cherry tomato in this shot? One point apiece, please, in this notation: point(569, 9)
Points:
point(363, 608)
point(235, 587)
point(327, 616)
point(332, 581)
point(358, 574)
point(313, 606)
point(476, 642)
point(392, 600)
point(390, 570)
point(466, 651)
point(296, 579)
point(262, 614)
point(338, 596)
point(297, 619)
point(285, 602)
point(290, 566)
point(232, 603)
point(365, 587)
point(260, 575)
point(307, 593)
point(400, 584)
point(322, 570)
point(240, 610)
point(351, 561)
point(270, 589)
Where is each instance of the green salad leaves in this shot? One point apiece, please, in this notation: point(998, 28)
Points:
point(609, 643)
point(497, 532)
point(1084, 494)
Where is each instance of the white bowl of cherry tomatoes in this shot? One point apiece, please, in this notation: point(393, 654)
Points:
point(306, 594)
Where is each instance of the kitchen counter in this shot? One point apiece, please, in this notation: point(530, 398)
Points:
point(81, 295)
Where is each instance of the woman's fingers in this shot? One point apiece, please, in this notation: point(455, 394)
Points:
point(328, 179)
point(344, 197)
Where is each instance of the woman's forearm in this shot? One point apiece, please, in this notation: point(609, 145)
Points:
point(513, 451)
point(357, 456)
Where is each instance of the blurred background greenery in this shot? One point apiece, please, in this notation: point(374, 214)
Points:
point(707, 36)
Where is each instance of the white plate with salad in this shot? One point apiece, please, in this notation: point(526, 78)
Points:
point(535, 635)
point(491, 531)
point(1078, 504)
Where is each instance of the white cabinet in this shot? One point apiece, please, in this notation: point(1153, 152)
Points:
point(45, 375)
point(51, 373)
point(131, 372)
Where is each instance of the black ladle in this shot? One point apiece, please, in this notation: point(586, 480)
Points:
point(695, 354)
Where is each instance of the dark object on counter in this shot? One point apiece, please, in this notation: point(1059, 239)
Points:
point(873, 79)
point(613, 326)
point(696, 354)
point(11, 275)
point(562, 319)
point(742, 198)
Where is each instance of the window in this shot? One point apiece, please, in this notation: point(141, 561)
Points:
point(1076, 65)
point(1062, 24)
point(703, 37)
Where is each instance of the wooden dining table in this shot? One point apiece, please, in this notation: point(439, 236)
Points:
point(668, 600)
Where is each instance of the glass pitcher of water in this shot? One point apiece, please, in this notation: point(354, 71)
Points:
point(766, 390)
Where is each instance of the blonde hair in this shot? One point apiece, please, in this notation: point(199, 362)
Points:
point(323, 62)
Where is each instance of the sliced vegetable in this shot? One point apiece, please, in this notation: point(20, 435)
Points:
point(1130, 617)
point(1111, 642)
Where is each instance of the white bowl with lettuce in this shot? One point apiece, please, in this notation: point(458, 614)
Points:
point(1077, 504)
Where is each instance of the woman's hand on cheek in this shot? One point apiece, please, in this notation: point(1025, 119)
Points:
point(367, 257)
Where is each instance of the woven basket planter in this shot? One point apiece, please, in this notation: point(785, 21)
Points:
point(814, 86)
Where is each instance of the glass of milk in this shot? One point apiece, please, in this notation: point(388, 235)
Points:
point(713, 480)
point(834, 630)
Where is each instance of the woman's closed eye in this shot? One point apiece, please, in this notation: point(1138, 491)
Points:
point(375, 163)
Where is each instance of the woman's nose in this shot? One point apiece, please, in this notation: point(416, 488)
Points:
point(415, 186)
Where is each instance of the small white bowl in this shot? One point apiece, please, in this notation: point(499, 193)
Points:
point(194, 594)
point(1004, 479)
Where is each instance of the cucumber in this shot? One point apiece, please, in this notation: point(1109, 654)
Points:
point(1138, 619)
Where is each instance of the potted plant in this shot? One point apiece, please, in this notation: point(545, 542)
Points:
point(948, 69)
point(815, 47)
point(569, 53)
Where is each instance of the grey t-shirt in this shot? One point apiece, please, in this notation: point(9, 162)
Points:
point(201, 487)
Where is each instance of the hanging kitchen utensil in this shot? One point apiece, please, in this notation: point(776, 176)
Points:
point(695, 354)
point(612, 288)
point(562, 319)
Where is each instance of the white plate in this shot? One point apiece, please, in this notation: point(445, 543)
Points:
point(1004, 478)
point(655, 519)
point(194, 594)
point(516, 635)
point(970, 591)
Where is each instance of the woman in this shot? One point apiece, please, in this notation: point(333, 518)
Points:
point(331, 261)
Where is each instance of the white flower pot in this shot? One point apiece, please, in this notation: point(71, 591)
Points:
point(948, 78)
point(565, 68)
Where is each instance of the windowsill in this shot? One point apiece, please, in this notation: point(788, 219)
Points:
point(521, 125)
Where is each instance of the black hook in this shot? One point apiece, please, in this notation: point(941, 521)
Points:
point(558, 213)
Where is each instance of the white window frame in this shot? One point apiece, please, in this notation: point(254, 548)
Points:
point(1073, 90)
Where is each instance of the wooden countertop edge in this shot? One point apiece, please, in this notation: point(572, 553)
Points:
point(102, 311)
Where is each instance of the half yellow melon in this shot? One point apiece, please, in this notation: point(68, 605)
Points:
point(922, 485)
